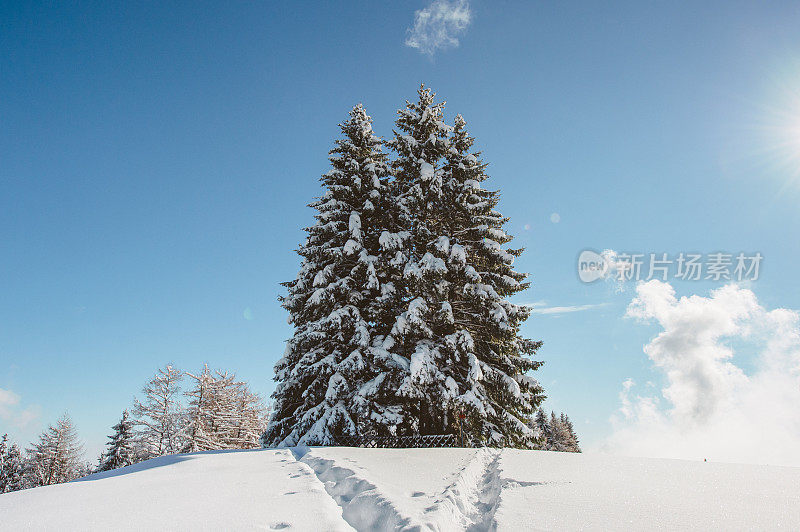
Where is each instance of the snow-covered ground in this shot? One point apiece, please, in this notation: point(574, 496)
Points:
point(413, 489)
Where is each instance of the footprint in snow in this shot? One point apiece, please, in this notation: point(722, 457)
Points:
point(279, 526)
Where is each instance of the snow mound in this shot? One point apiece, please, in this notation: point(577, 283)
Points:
point(413, 489)
point(214, 490)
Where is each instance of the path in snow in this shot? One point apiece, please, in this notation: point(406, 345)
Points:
point(406, 489)
point(488, 497)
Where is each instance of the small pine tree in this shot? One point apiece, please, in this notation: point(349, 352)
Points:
point(545, 432)
point(573, 445)
point(561, 436)
point(159, 416)
point(56, 457)
point(3, 452)
point(11, 466)
point(12, 477)
point(121, 447)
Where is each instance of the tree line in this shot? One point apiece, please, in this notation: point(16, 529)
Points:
point(555, 433)
point(216, 411)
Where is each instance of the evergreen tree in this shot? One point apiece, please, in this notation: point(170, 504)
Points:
point(56, 458)
point(11, 466)
point(492, 360)
point(12, 469)
point(159, 416)
point(456, 329)
point(336, 299)
point(573, 445)
point(3, 452)
point(561, 436)
point(410, 353)
point(121, 447)
point(545, 432)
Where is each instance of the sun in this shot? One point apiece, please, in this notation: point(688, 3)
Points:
point(777, 146)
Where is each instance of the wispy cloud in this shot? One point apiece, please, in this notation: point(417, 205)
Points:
point(437, 26)
point(12, 412)
point(540, 307)
point(709, 406)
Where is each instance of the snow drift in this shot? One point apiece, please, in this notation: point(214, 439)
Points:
point(413, 489)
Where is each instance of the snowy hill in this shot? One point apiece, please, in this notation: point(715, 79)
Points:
point(413, 489)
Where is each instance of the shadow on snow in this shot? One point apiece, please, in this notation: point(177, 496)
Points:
point(159, 461)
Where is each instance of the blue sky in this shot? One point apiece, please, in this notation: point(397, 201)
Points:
point(156, 160)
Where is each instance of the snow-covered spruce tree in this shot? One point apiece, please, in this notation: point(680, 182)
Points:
point(564, 437)
point(561, 435)
point(544, 430)
point(57, 456)
point(121, 447)
point(12, 467)
point(336, 299)
point(159, 416)
point(4, 446)
point(575, 445)
point(497, 392)
point(455, 328)
point(411, 334)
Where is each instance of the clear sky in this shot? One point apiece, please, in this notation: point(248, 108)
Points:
point(156, 160)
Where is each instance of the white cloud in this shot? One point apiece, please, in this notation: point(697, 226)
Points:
point(11, 411)
point(539, 303)
point(541, 309)
point(709, 406)
point(437, 25)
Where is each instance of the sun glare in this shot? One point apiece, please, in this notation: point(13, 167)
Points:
point(778, 125)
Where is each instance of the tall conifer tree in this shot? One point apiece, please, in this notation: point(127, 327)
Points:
point(455, 327)
point(336, 298)
point(415, 336)
point(496, 391)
